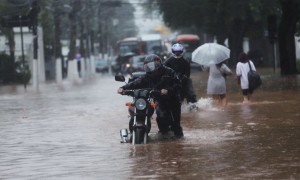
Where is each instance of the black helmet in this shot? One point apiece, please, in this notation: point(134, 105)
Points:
point(177, 50)
point(152, 63)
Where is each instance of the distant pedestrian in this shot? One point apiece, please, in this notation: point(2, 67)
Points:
point(78, 59)
point(216, 85)
point(242, 69)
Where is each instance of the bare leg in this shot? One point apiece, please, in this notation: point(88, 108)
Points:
point(249, 97)
point(216, 100)
point(224, 101)
point(246, 99)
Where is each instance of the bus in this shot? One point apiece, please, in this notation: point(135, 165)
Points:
point(143, 45)
point(125, 50)
point(154, 44)
point(130, 45)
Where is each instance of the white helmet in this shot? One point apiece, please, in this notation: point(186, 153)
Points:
point(177, 50)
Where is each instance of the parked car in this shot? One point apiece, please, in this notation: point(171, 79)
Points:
point(101, 65)
point(137, 63)
point(112, 62)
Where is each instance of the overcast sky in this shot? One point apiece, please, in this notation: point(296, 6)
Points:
point(145, 24)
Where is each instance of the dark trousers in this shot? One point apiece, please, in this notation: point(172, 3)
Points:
point(168, 117)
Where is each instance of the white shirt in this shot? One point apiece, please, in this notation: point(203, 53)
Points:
point(242, 70)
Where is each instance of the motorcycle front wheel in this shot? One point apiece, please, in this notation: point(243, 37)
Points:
point(139, 136)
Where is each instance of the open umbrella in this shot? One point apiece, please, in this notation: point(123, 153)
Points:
point(210, 53)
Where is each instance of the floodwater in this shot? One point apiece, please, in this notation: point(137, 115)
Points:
point(71, 131)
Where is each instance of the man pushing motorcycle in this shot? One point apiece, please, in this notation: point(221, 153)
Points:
point(164, 79)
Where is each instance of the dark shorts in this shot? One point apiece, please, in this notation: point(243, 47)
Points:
point(247, 91)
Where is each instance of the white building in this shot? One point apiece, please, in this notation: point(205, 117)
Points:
point(37, 67)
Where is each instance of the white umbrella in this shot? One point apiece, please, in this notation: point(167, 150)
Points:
point(210, 53)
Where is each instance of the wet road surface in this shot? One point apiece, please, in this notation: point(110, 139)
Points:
point(71, 132)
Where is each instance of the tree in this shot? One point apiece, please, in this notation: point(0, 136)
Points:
point(73, 28)
point(115, 22)
point(230, 19)
point(235, 19)
point(9, 12)
point(287, 30)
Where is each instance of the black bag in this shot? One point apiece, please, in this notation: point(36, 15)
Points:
point(253, 78)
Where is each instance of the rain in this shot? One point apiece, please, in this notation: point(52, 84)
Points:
point(64, 121)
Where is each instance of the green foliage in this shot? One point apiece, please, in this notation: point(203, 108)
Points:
point(14, 8)
point(216, 17)
point(7, 73)
point(98, 18)
point(236, 19)
point(46, 21)
point(5, 68)
point(23, 74)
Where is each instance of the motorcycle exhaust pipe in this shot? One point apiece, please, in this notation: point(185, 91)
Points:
point(124, 135)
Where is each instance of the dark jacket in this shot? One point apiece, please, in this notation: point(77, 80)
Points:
point(165, 79)
point(180, 65)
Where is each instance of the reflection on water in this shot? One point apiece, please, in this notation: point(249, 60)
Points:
point(72, 132)
point(246, 112)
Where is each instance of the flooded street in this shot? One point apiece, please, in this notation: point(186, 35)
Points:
point(71, 132)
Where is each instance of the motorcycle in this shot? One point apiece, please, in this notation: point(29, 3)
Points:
point(140, 110)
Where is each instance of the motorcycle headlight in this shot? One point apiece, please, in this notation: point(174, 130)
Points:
point(140, 104)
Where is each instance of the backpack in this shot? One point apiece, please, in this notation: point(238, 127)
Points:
point(253, 78)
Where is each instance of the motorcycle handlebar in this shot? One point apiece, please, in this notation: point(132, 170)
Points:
point(131, 92)
point(155, 92)
point(128, 92)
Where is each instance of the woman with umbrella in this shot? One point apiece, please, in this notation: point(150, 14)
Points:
point(212, 56)
point(216, 85)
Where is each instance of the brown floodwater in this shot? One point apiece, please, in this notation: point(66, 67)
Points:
point(71, 131)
